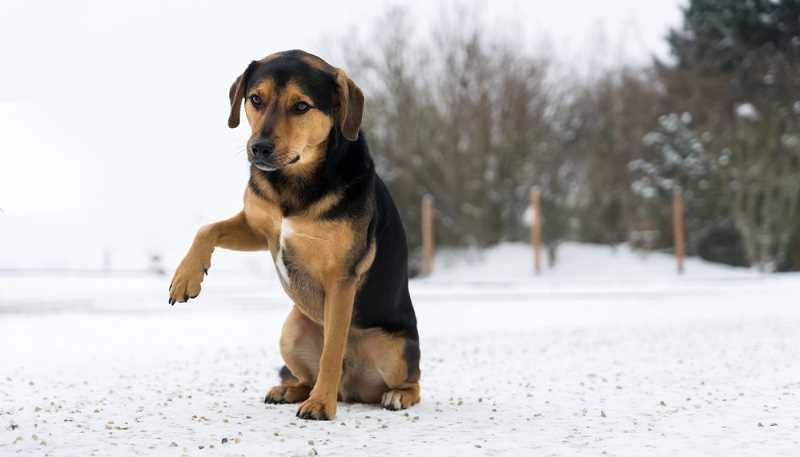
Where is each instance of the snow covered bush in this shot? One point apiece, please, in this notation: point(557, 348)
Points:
point(678, 158)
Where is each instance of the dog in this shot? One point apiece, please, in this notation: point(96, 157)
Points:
point(315, 202)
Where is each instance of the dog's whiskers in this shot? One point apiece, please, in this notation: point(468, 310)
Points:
point(239, 151)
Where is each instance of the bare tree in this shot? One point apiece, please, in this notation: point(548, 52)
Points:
point(461, 117)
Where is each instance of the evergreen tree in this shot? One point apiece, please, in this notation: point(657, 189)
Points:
point(724, 30)
point(738, 71)
point(679, 159)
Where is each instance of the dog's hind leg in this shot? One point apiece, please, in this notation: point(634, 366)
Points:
point(402, 376)
point(395, 361)
point(301, 346)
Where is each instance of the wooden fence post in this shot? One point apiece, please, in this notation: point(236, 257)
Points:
point(427, 235)
point(536, 229)
point(677, 226)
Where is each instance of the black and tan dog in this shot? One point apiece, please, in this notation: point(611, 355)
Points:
point(315, 202)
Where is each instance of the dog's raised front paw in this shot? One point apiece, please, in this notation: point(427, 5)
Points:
point(186, 281)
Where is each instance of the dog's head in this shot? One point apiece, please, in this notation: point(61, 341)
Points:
point(295, 104)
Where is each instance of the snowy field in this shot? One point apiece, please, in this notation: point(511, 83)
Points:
point(609, 354)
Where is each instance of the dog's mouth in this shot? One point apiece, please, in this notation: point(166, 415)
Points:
point(268, 165)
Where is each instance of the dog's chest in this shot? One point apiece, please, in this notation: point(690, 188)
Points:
point(308, 253)
point(286, 231)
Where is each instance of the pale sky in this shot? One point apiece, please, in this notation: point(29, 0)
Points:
point(113, 114)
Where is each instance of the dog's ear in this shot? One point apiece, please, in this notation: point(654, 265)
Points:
point(236, 94)
point(350, 105)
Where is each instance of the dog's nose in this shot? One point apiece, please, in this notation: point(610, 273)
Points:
point(262, 148)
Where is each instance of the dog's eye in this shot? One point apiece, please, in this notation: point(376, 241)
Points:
point(255, 100)
point(301, 107)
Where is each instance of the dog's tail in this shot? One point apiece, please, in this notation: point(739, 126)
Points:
point(286, 375)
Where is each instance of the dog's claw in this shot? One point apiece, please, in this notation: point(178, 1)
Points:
point(312, 411)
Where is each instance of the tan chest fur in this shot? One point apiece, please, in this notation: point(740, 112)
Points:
point(309, 253)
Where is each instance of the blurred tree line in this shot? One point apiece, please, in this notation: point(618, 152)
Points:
point(476, 121)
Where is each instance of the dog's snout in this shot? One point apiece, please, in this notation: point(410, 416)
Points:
point(262, 148)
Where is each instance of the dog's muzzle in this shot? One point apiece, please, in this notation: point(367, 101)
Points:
point(262, 156)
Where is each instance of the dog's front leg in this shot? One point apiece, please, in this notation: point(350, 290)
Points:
point(321, 403)
point(234, 233)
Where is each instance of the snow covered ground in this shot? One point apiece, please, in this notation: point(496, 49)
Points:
point(609, 354)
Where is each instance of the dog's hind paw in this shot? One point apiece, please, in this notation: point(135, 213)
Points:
point(288, 394)
point(396, 399)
